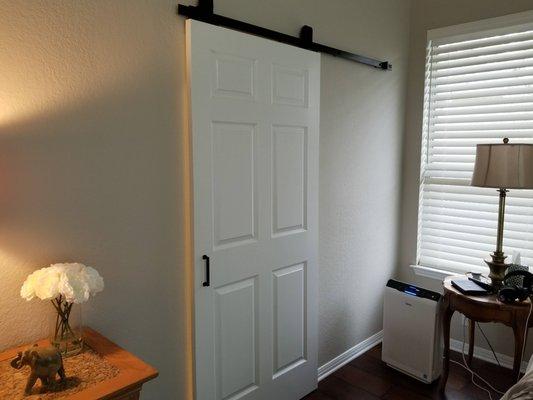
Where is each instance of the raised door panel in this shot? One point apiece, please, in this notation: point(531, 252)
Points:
point(233, 76)
point(289, 175)
point(290, 86)
point(236, 339)
point(234, 206)
point(290, 335)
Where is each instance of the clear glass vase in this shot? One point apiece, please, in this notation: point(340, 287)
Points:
point(67, 336)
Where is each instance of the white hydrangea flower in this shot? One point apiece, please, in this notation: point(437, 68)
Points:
point(74, 281)
point(27, 292)
point(43, 284)
point(94, 280)
point(46, 286)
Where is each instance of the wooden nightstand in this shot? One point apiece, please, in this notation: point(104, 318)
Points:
point(482, 309)
point(131, 372)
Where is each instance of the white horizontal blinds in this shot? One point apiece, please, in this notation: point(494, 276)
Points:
point(477, 90)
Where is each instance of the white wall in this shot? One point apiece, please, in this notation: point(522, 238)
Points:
point(91, 117)
point(362, 113)
point(426, 15)
point(93, 166)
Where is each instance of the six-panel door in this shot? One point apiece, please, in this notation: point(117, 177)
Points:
point(254, 122)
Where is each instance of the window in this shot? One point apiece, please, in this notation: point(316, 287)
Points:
point(479, 89)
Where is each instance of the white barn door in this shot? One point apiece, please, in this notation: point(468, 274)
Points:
point(255, 132)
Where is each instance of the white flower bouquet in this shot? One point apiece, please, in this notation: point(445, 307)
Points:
point(64, 285)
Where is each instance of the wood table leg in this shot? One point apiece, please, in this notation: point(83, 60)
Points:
point(447, 313)
point(519, 329)
point(471, 335)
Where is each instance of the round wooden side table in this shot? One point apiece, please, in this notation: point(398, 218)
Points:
point(482, 309)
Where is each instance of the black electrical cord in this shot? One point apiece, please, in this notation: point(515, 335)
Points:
point(487, 340)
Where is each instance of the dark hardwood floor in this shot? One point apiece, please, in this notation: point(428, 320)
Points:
point(368, 378)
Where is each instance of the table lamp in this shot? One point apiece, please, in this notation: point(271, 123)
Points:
point(503, 166)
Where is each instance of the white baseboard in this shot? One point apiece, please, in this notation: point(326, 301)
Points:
point(354, 352)
point(362, 347)
point(486, 355)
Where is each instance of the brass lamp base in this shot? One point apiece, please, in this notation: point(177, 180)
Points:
point(497, 268)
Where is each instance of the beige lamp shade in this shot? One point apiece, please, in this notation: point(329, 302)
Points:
point(505, 166)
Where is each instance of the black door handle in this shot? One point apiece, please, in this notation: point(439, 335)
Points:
point(207, 274)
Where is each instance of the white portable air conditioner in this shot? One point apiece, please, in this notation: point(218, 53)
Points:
point(411, 331)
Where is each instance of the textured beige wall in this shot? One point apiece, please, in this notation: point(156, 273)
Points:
point(91, 117)
point(92, 165)
point(431, 14)
point(361, 121)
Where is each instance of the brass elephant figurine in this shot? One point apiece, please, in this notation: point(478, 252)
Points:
point(45, 363)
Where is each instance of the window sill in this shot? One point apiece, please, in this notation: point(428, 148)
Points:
point(433, 273)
